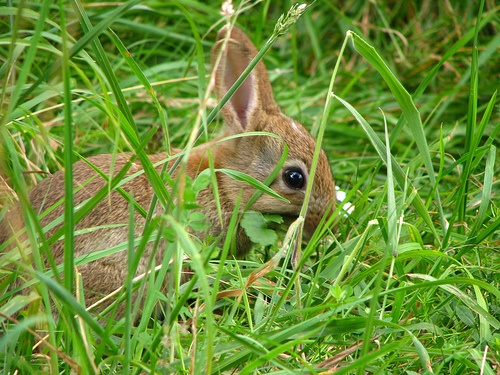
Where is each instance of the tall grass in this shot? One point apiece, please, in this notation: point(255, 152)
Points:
point(408, 283)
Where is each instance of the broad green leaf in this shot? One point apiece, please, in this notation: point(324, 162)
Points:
point(255, 225)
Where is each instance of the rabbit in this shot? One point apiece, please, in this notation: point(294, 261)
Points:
point(252, 108)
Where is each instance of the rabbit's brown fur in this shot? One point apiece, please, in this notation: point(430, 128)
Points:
point(252, 108)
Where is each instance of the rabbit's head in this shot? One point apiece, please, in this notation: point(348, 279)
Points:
point(252, 108)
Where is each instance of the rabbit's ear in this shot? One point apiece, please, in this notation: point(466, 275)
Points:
point(255, 93)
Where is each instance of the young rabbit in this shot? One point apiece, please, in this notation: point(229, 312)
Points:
point(252, 108)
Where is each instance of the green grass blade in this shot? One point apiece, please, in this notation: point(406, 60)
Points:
point(459, 211)
point(486, 192)
point(408, 108)
point(88, 37)
point(69, 224)
point(399, 175)
point(28, 59)
point(142, 78)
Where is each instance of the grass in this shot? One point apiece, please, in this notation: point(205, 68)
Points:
point(410, 282)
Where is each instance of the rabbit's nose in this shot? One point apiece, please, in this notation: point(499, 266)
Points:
point(313, 220)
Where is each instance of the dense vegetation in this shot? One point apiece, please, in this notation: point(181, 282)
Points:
point(410, 280)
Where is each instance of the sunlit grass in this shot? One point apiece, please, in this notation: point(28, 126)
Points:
point(410, 281)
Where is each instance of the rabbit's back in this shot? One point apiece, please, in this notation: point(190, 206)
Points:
point(105, 227)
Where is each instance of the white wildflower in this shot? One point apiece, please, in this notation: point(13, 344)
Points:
point(227, 8)
point(348, 207)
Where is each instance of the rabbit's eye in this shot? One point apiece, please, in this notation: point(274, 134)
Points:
point(294, 178)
